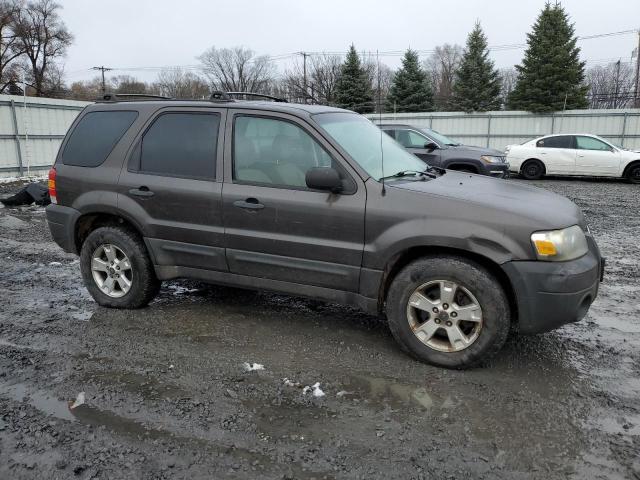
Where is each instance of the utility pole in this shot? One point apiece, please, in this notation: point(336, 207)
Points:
point(636, 93)
point(102, 69)
point(304, 73)
point(617, 88)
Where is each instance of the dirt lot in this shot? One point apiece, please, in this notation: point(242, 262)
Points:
point(167, 395)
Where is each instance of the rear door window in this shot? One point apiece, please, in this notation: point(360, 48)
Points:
point(560, 141)
point(181, 145)
point(95, 136)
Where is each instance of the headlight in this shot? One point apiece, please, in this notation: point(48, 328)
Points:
point(560, 245)
point(491, 159)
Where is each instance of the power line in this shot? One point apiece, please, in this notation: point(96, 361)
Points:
point(389, 53)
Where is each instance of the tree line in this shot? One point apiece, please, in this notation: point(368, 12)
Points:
point(550, 77)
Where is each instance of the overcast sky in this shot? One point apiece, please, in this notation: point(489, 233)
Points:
point(144, 33)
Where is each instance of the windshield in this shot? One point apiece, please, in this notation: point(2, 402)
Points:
point(441, 139)
point(362, 140)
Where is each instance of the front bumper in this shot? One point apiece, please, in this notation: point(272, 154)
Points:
point(497, 170)
point(62, 221)
point(551, 294)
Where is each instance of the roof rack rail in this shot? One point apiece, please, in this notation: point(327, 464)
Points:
point(260, 95)
point(114, 97)
point(220, 96)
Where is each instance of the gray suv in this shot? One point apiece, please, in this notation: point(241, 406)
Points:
point(441, 151)
point(315, 201)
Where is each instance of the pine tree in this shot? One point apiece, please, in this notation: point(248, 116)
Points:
point(410, 90)
point(551, 76)
point(477, 83)
point(353, 89)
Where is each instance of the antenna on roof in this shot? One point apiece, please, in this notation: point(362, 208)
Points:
point(384, 190)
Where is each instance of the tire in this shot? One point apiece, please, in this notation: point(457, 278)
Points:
point(532, 170)
point(141, 277)
point(487, 335)
point(633, 174)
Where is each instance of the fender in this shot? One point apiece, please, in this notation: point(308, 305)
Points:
point(102, 201)
point(447, 233)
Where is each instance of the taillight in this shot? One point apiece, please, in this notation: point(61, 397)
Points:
point(52, 185)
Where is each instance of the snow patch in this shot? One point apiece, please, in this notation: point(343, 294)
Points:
point(251, 367)
point(80, 399)
point(315, 390)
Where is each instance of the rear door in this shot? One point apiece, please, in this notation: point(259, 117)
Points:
point(415, 142)
point(596, 157)
point(558, 154)
point(276, 227)
point(170, 186)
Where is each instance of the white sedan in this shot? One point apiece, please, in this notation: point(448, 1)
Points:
point(573, 154)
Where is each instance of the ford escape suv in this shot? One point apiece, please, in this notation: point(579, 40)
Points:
point(315, 201)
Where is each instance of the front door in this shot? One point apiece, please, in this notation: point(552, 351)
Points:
point(595, 157)
point(169, 186)
point(415, 142)
point(275, 226)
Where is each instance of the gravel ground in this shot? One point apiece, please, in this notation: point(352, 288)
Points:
point(167, 396)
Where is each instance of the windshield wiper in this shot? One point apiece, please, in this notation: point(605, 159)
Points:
point(453, 144)
point(407, 173)
point(440, 170)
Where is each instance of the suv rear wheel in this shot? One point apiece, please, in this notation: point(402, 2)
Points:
point(116, 268)
point(448, 311)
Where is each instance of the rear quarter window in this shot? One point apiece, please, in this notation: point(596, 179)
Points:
point(94, 137)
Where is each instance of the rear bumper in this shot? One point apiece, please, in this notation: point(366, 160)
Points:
point(62, 221)
point(551, 294)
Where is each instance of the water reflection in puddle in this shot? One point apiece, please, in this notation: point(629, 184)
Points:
point(49, 404)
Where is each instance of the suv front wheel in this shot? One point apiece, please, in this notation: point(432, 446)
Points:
point(116, 268)
point(448, 311)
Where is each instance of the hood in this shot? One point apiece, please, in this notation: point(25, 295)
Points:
point(476, 151)
point(545, 209)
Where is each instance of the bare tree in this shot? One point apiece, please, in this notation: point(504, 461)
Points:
point(508, 79)
point(611, 86)
point(370, 63)
point(442, 65)
point(127, 84)
point(10, 46)
point(44, 38)
point(86, 89)
point(237, 69)
point(322, 75)
point(177, 83)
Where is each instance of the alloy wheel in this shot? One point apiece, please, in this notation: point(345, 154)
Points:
point(111, 270)
point(444, 315)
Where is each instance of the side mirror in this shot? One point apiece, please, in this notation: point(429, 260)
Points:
point(431, 146)
point(324, 178)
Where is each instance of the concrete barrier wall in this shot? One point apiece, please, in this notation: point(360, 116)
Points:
point(499, 129)
point(31, 131)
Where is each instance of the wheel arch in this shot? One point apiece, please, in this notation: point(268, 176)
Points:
point(462, 164)
point(628, 167)
point(405, 257)
point(90, 220)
